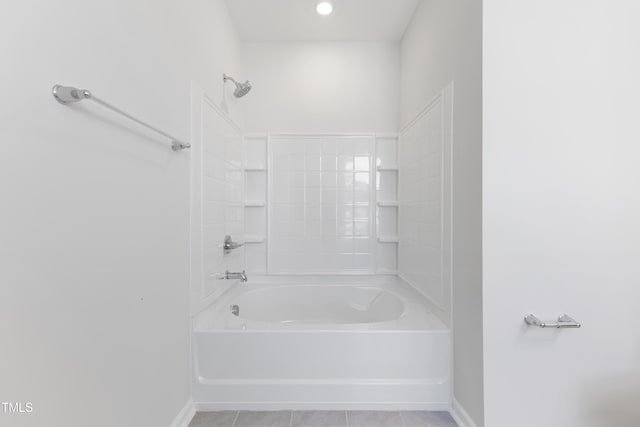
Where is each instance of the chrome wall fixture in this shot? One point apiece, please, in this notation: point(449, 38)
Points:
point(564, 321)
point(68, 94)
point(228, 275)
point(228, 245)
point(241, 88)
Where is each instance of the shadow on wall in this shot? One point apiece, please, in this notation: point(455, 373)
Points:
point(613, 401)
point(122, 135)
point(224, 105)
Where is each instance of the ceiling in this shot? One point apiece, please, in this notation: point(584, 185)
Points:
point(297, 20)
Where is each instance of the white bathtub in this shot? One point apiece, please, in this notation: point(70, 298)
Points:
point(321, 343)
point(315, 306)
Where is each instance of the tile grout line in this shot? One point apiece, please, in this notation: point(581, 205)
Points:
point(235, 420)
point(346, 414)
point(290, 418)
point(404, 424)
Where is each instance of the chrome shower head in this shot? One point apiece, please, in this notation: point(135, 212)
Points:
point(241, 88)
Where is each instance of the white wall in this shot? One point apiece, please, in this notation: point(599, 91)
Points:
point(443, 44)
point(95, 210)
point(315, 87)
point(561, 210)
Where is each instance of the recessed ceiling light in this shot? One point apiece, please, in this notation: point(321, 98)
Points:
point(324, 7)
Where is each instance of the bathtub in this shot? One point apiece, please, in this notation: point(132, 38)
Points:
point(325, 343)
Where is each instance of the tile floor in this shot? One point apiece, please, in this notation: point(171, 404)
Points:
point(323, 419)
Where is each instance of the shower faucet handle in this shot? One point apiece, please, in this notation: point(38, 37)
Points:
point(229, 245)
point(228, 275)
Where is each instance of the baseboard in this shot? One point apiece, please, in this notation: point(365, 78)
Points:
point(328, 394)
point(460, 415)
point(322, 406)
point(185, 415)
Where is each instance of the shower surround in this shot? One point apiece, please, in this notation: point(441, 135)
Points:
point(325, 320)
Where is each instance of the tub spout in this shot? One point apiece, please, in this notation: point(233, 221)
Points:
point(241, 275)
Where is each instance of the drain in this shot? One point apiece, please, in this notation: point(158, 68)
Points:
point(235, 310)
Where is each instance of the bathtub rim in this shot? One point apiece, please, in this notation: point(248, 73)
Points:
point(410, 297)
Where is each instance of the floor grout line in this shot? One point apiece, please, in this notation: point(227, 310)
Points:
point(346, 414)
point(404, 424)
point(290, 418)
point(235, 420)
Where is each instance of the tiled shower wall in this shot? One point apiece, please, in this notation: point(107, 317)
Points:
point(425, 201)
point(311, 204)
point(218, 186)
point(222, 210)
point(320, 204)
point(387, 204)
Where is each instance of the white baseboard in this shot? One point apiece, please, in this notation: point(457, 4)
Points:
point(321, 406)
point(460, 415)
point(185, 415)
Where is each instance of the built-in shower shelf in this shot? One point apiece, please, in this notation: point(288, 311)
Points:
point(254, 239)
point(388, 168)
point(255, 169)
point(388, 239)
point(388, 203)
point(254, 203)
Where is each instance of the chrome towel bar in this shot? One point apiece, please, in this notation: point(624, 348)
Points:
point(68, 94)
point(564, 321)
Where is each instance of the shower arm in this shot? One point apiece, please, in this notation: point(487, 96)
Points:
point(225, 78)
point(241, 88)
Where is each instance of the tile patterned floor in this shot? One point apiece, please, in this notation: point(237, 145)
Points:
point(323, 419)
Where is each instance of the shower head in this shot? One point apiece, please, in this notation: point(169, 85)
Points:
point(241, 88)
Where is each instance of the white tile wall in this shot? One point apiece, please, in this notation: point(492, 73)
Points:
point(334, 234)
point(387, 210)
point(424, 238)
point(256, 204)
point(255, 152)
point(222, 191)
point(321, 204)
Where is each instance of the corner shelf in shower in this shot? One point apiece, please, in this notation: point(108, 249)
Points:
point(255, 169)
point(388, 239)
point(254, 203)
point(392, 168)
point(254, 239)
point(388, 203)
